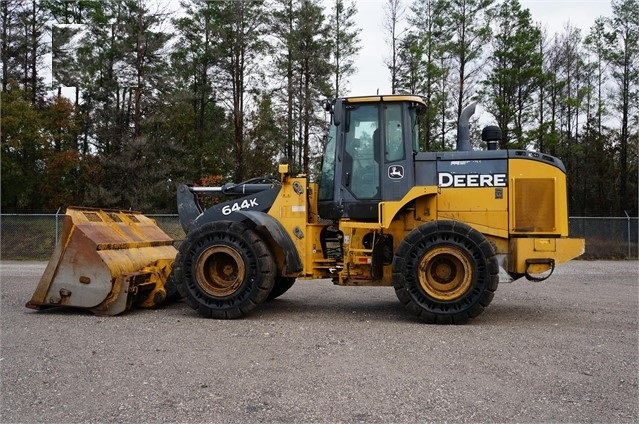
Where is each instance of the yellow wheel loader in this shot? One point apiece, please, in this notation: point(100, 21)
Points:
point(443, 228)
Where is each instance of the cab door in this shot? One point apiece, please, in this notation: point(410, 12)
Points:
point(360, 186)
point(397, 172)
point(361, 170)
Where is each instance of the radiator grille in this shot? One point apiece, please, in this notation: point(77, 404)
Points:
point(534, 205)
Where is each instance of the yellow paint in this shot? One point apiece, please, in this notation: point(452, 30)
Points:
point(528, 220)
point(559, 249)
point(106, 261)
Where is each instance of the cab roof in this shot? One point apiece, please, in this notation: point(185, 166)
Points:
point(385, 98)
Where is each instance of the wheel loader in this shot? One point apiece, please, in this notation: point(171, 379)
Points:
point(442, 228)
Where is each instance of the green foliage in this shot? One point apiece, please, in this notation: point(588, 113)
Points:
point(516, 72)
point(227, 89)
point(264, 150)
point(623, 55)
point(302, 75)
point(22, 152)
point(425, 69)
point(468, 21)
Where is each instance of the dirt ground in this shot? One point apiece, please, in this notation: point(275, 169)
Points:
point(565, 350)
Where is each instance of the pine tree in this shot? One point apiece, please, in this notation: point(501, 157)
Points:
point(240, 41)
point(468, 20)
point(303, 70)
point(123, 65)
point(345, 44)
point(596, 42)
point(284, 18)
point(623, 56)
point(193, 103)
point(313, 59)
point(394, 15)
point(515, 74)
point(24, 25)
point(429, 68)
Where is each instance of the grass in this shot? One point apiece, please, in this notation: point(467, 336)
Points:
point(27, 237)
point(601, 248)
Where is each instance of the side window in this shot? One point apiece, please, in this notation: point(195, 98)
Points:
point(414, 122)
point(394, 144)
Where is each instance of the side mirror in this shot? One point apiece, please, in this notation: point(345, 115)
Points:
point(338, 109)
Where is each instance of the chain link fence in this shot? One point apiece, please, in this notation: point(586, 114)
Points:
point(33, 236)
point(607, 237)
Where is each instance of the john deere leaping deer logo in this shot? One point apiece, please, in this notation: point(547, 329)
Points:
point(396, 172)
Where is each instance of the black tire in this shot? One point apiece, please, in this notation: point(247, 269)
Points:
point(224, 270)
point(172, 294)
point(282, 284)
point(445, 272)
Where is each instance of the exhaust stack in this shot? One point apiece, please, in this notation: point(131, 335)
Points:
point(463, 127)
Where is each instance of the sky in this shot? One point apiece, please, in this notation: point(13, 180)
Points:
point(372, 75)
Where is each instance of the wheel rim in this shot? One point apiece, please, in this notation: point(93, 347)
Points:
point(445, 273)
point(220, 270)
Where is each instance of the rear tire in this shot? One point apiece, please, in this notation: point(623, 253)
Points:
point(445, 272)
point(224, 270)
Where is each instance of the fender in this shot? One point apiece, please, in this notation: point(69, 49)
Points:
point(192, 216)
point(256, 206)
point(188, 207)
point(282, 242)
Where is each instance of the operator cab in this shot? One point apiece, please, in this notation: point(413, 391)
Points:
point(368, 156)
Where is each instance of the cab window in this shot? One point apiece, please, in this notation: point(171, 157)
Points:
point(394, 142)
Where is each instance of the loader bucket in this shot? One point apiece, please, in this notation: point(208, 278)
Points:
point(106, 261)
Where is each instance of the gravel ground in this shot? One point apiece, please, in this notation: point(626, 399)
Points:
point(565, 350)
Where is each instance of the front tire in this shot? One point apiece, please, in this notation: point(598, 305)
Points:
point(224, 270)
point(281, 286)
point(445, 272)
point(172, 294)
